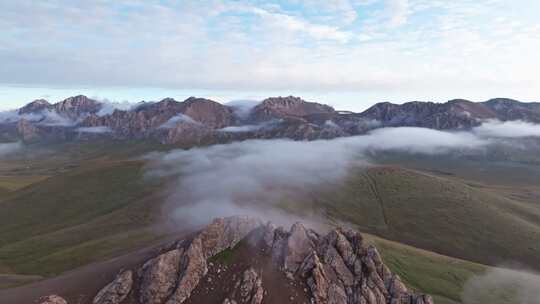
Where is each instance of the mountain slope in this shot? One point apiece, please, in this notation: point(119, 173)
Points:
point(107, 209)
point(431, 212)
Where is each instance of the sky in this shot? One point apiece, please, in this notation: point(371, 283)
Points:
point(346, 53)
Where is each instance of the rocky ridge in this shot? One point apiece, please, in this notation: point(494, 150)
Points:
point(334, 268)
point(202, 121)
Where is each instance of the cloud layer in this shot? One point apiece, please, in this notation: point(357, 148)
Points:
point(9, 148)
point(250, 176)
point(508, 129)
point(499, 284)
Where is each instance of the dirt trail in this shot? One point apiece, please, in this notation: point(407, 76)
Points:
point(373, 186)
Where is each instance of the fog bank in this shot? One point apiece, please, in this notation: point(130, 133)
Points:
point(9, 148)
point(507, 129)
point(503, 286)
point(249, 177)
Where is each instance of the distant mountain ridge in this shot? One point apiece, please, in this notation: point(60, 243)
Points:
point(199, 120)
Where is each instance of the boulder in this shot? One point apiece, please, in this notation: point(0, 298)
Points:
point(52, 299)
point(159, 277)
point(116, 291)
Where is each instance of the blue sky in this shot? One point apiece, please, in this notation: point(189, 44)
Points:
point(348, 53)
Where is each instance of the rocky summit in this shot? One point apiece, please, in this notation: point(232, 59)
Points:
point(243, 260)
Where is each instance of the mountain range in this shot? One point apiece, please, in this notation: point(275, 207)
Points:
point(199, 120)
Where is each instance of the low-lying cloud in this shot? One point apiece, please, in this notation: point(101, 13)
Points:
point(9, 148)
point(108, 107)
point(245, 177)
point(44, 118)
point(503, 286)
point(94, 130)
point(507, 129)
point(173, 121)
point(252, 128)
point(242, 108)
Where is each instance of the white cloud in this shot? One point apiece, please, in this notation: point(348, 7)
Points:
point(242, 108)
point(498, 283)
point(397, 12)
point(507, 129)
point(251, 128)
point(45, 118)
point(9, 148)
point(109, 107)
point(173, 121)
point(243, 177)
point(94, 130)
point(294, 24)
point(240, 129)
point(53, 118)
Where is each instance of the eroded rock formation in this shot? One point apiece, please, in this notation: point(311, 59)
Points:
point(338, 267)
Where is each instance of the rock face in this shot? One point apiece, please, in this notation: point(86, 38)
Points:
point(159, 277)
point(455, 114)
point(36, 106)
point(77, 107)
point(335, 268)
point(117, 290)
point(290, 108)
point(168, 121)
point(340, 268)
point(52, 299)
point(509, 109)
point(251, 290)
point(248, 289)
point(221, 234)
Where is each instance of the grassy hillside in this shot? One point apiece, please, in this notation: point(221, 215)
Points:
point(97, 210)
point(432, 212)
point(440, 276)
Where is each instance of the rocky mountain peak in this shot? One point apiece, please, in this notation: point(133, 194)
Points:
point(208, 112)
point(35, 106)
point(510, 109)
point(263, 264)
point(289, 107)
point(77, 106)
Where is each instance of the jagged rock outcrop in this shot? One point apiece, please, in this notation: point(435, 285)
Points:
point(77, 107)
point(116, 291)
point(208, 112)
point(221, 234)
point(36, 106)
point(251, 290)
point(290, 108)
point(248, 289)
point(455, 114)
point(510, 109)
point(52, 299)
point(159, 277)
point(338, 267)
point(169, 121)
